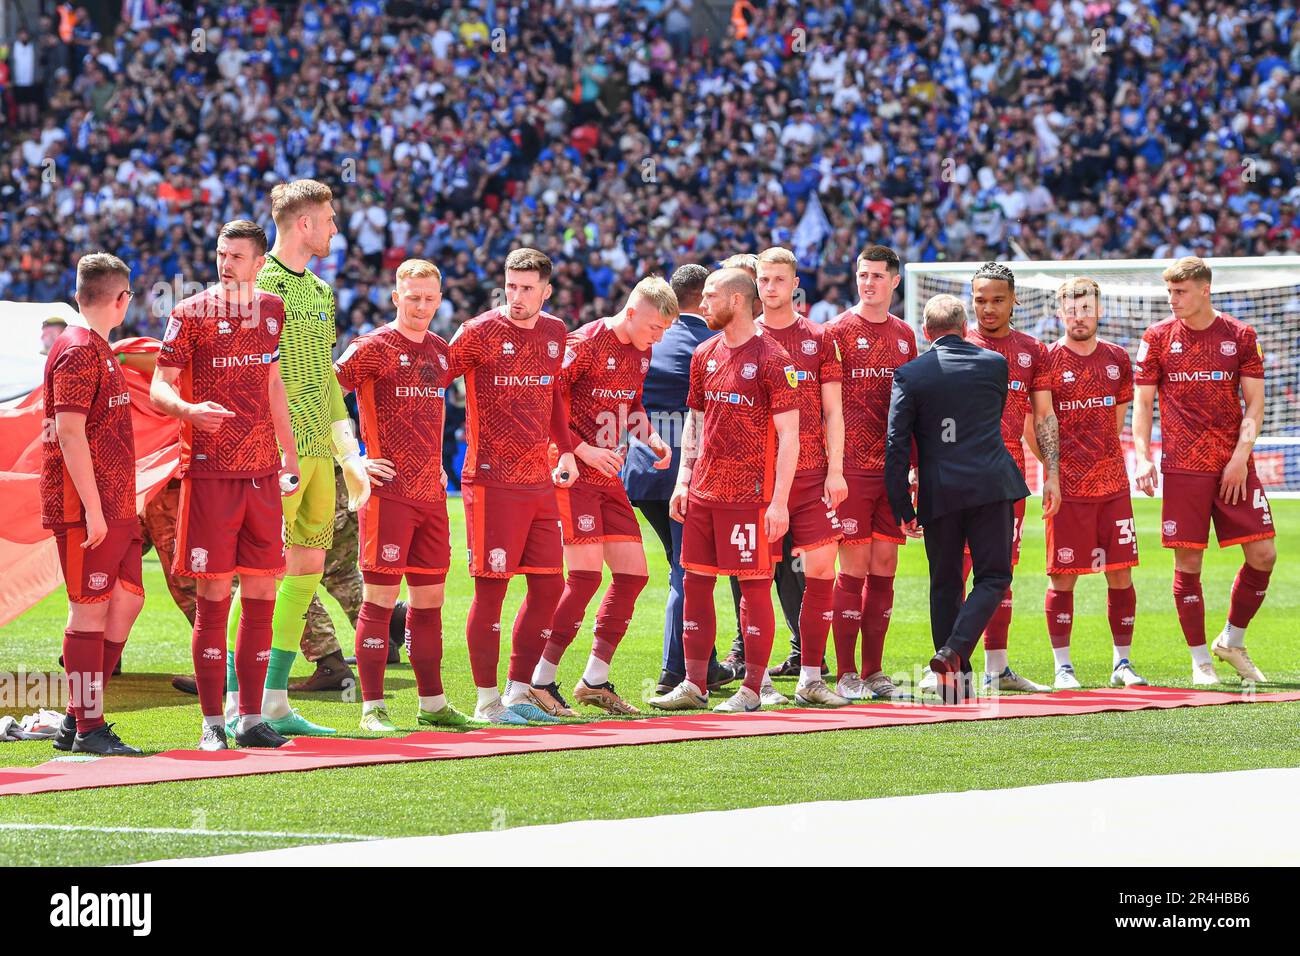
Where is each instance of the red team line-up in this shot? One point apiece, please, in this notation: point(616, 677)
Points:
point(785, 432)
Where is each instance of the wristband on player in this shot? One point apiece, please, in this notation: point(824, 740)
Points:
point(344, 442)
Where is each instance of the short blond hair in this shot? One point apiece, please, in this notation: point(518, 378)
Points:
point(1187, 269)
point(418, 269)
point(657, 291)
point(1077, 287)
point(741, 260)
point(293, 199)
point(97, 273)
point(778, 254)
point(944, 314)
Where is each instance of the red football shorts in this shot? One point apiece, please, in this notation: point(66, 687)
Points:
point(812, 523)
point(865, 513)
point(591, 514)
point(1086, 537)
point(91, 574)
point(1191, 500)
point(512, 531)
point(727, 539)
point(403, 538)
point(229, 526)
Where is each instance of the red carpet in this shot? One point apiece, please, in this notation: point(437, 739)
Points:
point(317, 753)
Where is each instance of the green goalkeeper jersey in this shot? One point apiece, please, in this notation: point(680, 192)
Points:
point(307, 355)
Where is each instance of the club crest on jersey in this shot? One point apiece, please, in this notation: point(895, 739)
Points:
point(711, 366)
point(902, 346)
point(1175, 348)
point(792, 376)
point(645, 365)
point(553, 349)
point(748, 370)
point(391, 552)
point(809, 346)
point(198, 560)
point(497, 560)
point(1228, 348)
point(1065, 555)
point(1024, 359)
point(1170, 528)
point(1112, 371)
point(586, 523)
point(98, 581)
point(507, 348)
point(273, 325)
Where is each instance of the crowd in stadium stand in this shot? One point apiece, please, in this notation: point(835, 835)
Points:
point(620, 140)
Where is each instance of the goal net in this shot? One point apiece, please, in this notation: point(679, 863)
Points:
point(1261, 291)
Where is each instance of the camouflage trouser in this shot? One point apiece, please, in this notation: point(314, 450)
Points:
point(342, 579)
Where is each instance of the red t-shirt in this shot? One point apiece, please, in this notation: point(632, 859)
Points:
point(869, 353)
point(226, 354)
point(739, 390)
point(602, 380)
point(1086, 390)
point(1198, 375)
point(512, 396)
point(816, 361)
point(1024, 355)
point(401, 387)
point(83, 375)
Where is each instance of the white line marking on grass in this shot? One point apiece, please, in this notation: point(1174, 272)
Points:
point(178, 831)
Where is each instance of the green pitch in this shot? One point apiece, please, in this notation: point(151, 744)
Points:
point(118, 825)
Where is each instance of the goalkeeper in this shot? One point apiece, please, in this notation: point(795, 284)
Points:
point(304, 225)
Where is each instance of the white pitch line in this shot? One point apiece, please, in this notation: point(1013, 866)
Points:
point(178, 831)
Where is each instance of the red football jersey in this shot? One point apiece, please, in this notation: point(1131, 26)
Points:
point(601, 380)
point(816, 361)
point(1198, 375)
point(1024, 355)
point(739, 390)
point(401, 387)
point(226, 354)
point(869, 353)
point(82, 375)
point(1086, 389)
point(511, 393)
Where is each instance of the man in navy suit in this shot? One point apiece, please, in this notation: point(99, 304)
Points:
point(649, 488)
point(950, 401)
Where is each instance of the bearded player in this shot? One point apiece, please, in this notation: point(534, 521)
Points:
point(1081, 394)
point(400, 375)
point(605, 364)
point(219, 373)
point(872, 343)
point(511, 358)
point(818, 486)
point(303, 213)
point(993, 299)
point(1204, 364)
point(740, 446)
point(88, 500)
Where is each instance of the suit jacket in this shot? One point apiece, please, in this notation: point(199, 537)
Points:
point(950, 401)
point(664, 398)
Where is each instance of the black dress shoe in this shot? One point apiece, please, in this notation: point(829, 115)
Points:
point(668, 680)
point(722, 673)
point(736, 664)
point(185, 683)
point(945, 661)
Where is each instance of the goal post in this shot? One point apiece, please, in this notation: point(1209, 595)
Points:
point(1262, 291)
